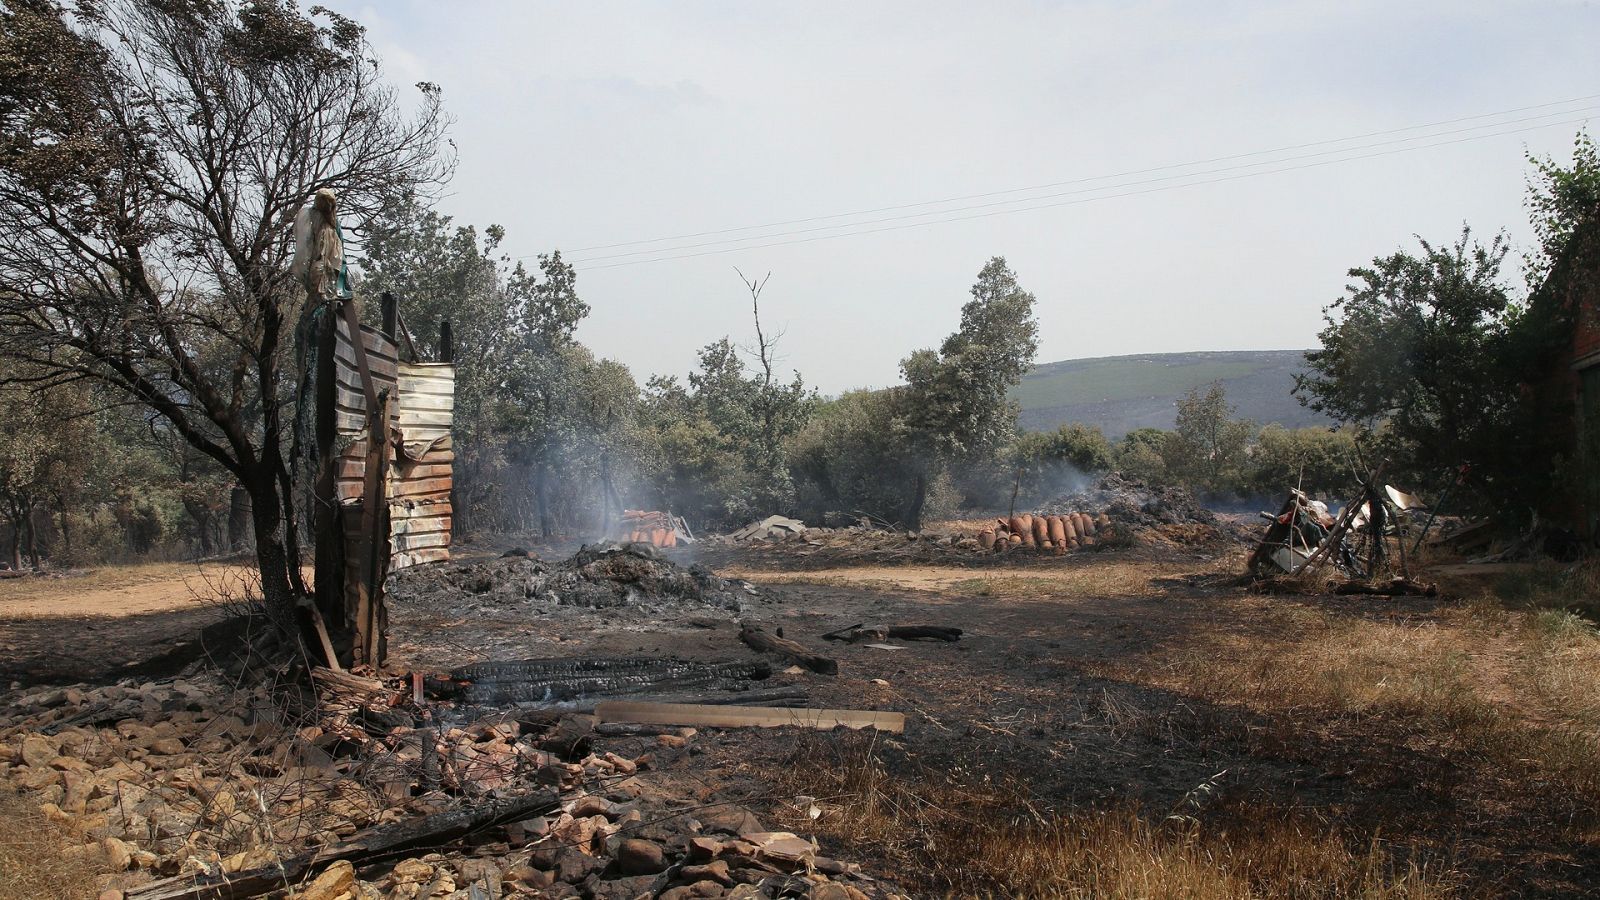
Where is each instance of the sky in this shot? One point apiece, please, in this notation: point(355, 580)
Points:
point(596, 124)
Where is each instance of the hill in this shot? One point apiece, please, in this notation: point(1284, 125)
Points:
point(1121, 393)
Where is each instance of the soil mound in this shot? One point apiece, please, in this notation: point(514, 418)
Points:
point(596, 577)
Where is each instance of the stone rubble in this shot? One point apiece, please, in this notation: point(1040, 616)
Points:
point(190, 775)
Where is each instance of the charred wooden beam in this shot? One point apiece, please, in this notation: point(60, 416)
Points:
point(763, 642)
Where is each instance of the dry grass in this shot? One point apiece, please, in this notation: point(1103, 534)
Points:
point(1513, 696)
point(959, 834)
point(32, 864)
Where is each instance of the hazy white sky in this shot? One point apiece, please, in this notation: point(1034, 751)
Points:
point(583, 124)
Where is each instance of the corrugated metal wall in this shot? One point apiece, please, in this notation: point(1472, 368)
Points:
point(419, 479)
point(419, 491)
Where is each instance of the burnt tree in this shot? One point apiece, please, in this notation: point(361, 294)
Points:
point(152, 156)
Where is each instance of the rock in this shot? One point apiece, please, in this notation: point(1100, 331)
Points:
point(254, 858)
point(35, 778)
point(473, 871)
point(573, 866)
point(640, 857)
point(37, 751)
point(781, 846)
point(829, 890)
point(717, 871)
point(119, 853)
point(527, 876)
point(728, 819)
point(698, 889)
point(411, 871)
point(167, 746)
point(337, 882)
point(594, 805)
point(621, 888)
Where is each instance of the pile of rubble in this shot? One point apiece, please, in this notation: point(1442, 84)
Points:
point(596, 577)
point(178, 785)
point(649, 526)
point(772, 528)
point(1134, 504)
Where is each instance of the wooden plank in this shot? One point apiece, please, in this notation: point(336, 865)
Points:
point(407, 524)
point(418, 541)
point(419, 486)
point(747, 716)
point(406, 558)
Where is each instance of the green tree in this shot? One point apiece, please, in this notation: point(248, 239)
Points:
point(538, 407)
point(1319, 461)
point(1048, 462)
point(1423, 344)
point(1561, 197)
point(956, 404)
point(1139, 455)
point(48, 442)
point(1207, 445)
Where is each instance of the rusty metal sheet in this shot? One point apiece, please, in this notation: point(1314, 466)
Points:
point(350, 403)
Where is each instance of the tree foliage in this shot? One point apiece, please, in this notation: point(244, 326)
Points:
point(154, 156)
point(1207, 445)
point(1424, 345)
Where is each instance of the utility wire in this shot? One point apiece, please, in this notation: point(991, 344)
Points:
point(1084, 180)
point(1118, 186)
point(1074, 202)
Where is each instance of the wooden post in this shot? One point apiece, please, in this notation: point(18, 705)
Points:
point(326, 515)
point(447, 342)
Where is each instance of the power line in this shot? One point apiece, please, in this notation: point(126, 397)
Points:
point(1126, 184)
point(1084, 180)
point(1153, 190)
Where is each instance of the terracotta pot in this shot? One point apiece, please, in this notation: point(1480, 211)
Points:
point(1058, 532)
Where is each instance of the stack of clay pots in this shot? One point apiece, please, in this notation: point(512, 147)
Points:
point(1043, 532)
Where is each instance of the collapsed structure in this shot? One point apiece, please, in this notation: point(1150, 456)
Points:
point(383, 458)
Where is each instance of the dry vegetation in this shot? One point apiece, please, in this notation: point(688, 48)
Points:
point(955, 832)
point(33, 865)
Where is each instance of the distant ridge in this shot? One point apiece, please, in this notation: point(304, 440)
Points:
point(1121, 393)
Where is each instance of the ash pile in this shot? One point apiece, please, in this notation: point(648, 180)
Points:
point(603, 576)
point(1140, 509)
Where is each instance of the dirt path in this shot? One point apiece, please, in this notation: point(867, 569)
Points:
point(111, 621)
point(122, 590)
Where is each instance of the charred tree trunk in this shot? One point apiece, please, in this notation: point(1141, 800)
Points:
point(277, 587)
point(33, 540)
point(239, 515)
point(919, 499)
point(16, 544)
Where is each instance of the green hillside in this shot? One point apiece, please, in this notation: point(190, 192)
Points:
point(1121, 393)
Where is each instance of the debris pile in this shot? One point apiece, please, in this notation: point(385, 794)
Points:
point(596, 577)
point(180, 786)
point(546, 681)
point(658, 529)
point(772, 528)
point(1134, 505)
